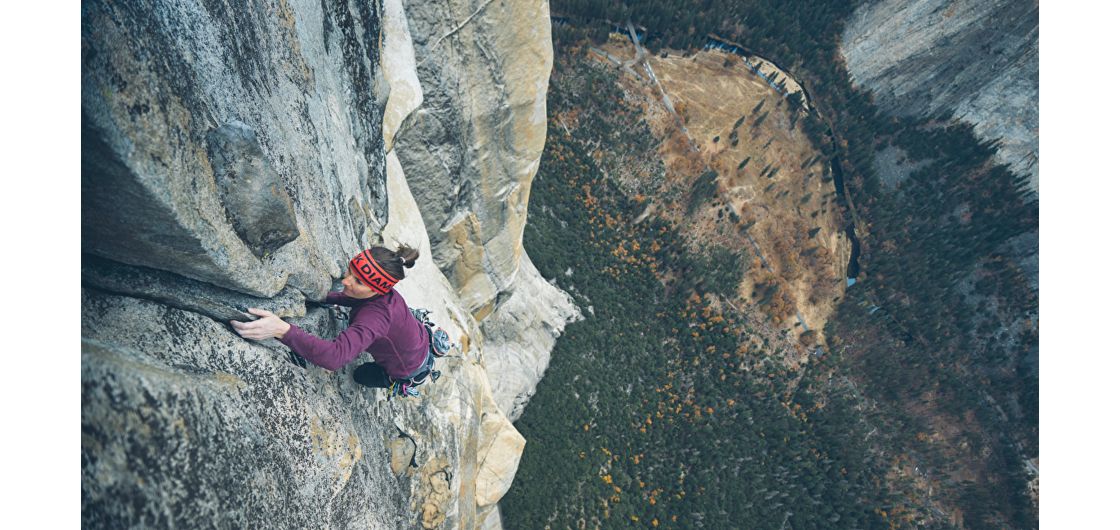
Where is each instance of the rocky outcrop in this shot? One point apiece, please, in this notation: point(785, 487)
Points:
point(470, 152)
point(520, 335)
point(254, 198)
point(974, 60)
point(236, 157)
point(472, 148)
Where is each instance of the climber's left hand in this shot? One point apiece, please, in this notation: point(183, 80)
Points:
point(269, 326)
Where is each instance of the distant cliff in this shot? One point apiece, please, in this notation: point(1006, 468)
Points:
point(238, 156)
point(972, 59)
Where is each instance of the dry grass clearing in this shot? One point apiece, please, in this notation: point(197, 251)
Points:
point(770, 184)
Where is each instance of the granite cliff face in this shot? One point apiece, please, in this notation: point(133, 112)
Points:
point(237, 157)
point(470, 151)
point(976, 61)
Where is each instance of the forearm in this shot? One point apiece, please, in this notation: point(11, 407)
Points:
point(329, 354)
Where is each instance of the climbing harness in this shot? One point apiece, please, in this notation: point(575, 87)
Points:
point(439, 344)
point(407, 387)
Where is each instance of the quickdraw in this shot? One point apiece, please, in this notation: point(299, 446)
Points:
point(439, 341)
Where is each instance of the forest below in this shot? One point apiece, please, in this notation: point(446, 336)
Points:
point(664, 407)
point(667, 407)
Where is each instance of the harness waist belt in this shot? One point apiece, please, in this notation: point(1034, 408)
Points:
point(425, 366)
point(428, 360)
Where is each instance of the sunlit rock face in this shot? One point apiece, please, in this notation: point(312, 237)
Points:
point(472, 148)
point(974, 60)
point(238, 156)
point(520, 335)
point(470, 152)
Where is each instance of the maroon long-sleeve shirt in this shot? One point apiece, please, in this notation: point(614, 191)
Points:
point(381, 325)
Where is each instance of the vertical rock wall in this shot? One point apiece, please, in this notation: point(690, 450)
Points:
point(159, 83)
point(974, 60)
point(471, 150)
point(520, 335)
point(237, 156)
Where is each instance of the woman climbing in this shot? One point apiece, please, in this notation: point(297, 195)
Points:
point(380, 323)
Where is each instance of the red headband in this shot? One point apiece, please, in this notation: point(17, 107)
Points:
point(370, 273)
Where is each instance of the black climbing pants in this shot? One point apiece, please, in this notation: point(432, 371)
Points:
point(372, 375)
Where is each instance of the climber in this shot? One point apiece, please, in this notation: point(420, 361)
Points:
point(380, 323)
